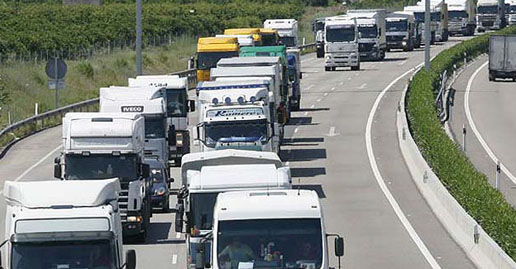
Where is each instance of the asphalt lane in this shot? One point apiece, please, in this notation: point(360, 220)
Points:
point(325, 146)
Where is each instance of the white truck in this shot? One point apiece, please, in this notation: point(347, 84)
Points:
point(372, 42)
point(209, 173)
point(110, 145)
point(462, 17)
point(277, 228)
point(511, 12)
point(341, 43)
point(64, 224)
point(177, 104)
point(243, 40)
point(502, 57)
point(419, 16)
point(401, 32)
point(149, 102)
point(438, 15)
point(237, 119)
point(490, 15)
point(287, 30)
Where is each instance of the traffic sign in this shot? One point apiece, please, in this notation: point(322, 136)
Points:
point(52, 83)
point(56, 68)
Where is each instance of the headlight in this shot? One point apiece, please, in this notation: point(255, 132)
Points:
point(328, 57)
point(160, 191)
point(134, 219)
point(404, 43)
point(179, 139)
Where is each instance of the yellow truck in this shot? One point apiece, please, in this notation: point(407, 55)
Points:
point(210, 50)
point(270, 37)
point(255, 32)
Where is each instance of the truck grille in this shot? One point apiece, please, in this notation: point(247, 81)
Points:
point(123, 200)
point(394, 38)
point(365, 47)
point(487, 23)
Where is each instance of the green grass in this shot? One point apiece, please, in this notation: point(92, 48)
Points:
point(468, 186)
point(27, 82)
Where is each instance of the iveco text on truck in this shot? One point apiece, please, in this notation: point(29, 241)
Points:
point(372, 42)
point(110, 145)
point(209, 173)
point(341, 43)
point(64, 224)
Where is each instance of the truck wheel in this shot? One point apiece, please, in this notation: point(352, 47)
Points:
point(333, 68)
point(300, 75)
point(491, 77)
point(320, 53)
point(356, 68)
point(327, 68)
point(177, 162)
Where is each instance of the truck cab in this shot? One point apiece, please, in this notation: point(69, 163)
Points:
point(462, 17)
point(177, 106)
point(270, 37)
point(490, 15)
point(511, 12)
point(150, 102)
point(110, 145)
point(237, 119)
point(287, 30)
point(64, 224)
point(371, 30)
point(255, 170)
point(400, 31)
point(341, 43)
point(210, 50)
point(278, 228)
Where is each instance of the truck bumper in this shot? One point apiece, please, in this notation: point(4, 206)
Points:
point(132, 228)
point(342, 60)
point(397, 45)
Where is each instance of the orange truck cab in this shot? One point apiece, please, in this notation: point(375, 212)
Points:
point(210, 50)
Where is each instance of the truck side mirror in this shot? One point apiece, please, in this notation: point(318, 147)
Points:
point(339, 246)
point(130, 259)
point(57, 170)
point(179, 218)
point(191, 105)
point(172, 135)
point(145, 170)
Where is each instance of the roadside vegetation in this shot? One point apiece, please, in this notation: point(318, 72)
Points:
point(470, 187)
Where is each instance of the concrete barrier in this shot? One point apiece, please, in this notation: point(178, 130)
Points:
point(476, 243)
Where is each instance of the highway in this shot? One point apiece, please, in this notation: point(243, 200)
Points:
point(490, 121)
point(343, 144)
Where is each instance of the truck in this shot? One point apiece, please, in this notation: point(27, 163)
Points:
point(372, 42)
point(178, 105)
point(64, 224)
point(101, 146)
point(295, 83)
point(148, 101)
point(253, 72)
point(270, 37)
point(502, 57)
point(462, 17)
point(205, 180)
point(419, 17)
point(341, 43)
point(490, 15)
point(511, 12)
point(439, 13)
point(287, 30)
point(243, 40)
point(255, 32)
point(318, 30)
point(210, 50)
point(237, 119)
point(278, 228)
point(401, 32)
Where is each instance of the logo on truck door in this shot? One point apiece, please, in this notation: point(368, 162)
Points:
point(133, 109)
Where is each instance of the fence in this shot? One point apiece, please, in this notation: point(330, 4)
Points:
point(14, 132)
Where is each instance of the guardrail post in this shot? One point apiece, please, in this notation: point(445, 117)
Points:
point(497, 176)
point(464, 137)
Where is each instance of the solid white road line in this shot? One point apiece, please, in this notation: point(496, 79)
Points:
point(473, 127)
point(374, 166)
point(35, 165)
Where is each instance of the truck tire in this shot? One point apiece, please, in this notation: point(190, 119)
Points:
point(491, 77)
point(327, 68)
point(320, 53)
point(356, 68)
point(300, 75)
point(333, 68)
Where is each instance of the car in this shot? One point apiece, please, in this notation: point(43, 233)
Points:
point(160, 184)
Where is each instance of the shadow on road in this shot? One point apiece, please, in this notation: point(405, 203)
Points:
point(314, 109)
point(301, 121)
point(293, 155)
point(307, 171)
point(394, 59)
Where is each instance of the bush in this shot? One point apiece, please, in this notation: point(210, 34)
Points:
point(469, 187)
point(85, 69)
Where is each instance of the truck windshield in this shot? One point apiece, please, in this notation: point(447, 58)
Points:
point(368, 31)
point(201, 210)
point(457, 14)
point(340, 34)
point(396, 26)
point(269, 40)
point(208, 60)
point(235, 131)
point(419, 16)
point(101, 166)
point(488, 9)
point(176, 102)
point(288, 41)
point(155, 126)
point(512, 9)
point(270, 243)
point(69, 255)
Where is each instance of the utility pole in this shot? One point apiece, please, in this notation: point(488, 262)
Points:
point(138, 37)
point(428, 35)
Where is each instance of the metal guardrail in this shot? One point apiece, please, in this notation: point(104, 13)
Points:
point(14, 132)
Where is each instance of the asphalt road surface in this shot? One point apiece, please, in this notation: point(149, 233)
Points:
point(341, 144)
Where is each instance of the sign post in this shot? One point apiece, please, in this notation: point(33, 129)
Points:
point(56, 71)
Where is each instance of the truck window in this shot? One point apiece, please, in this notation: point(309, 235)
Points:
point(155, 126)
point(208, 60)
point(64, 254)
point(457, 14)
point(235, 131)
point(201, 213)
point(288, 41)
point(291, 243)
point(419, 16)
point(368, 31)
point(101, 166)
point(396, 26)
point(488, 9)
point(340, 33)
point(176, 102)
